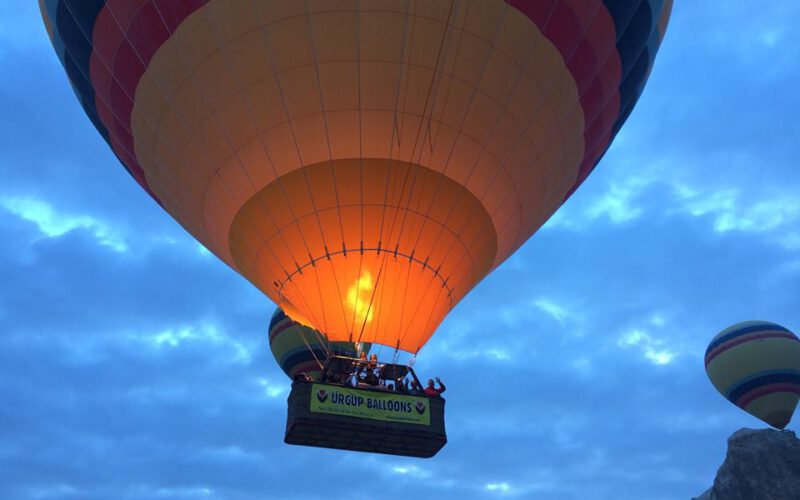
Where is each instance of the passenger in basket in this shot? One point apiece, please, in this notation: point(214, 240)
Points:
point(400, 385)
point(371, 377)
point(432, 390)
point(361, 368)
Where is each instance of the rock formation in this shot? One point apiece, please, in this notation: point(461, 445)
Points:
point(760, 464)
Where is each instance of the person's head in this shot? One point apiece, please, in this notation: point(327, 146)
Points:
point(373, 358)
point(363, 355)
point(430, 382)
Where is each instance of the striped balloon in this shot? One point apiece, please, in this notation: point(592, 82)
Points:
point(429, 138)
point(756, 366)
point(299, 349)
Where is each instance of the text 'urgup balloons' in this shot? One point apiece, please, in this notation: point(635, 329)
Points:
point(756, 366)
point(365, 164)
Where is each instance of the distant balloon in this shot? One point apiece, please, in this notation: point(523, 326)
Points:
point(756, 366)
point(299, 349)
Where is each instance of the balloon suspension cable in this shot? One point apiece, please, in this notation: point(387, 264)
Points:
point(396, 355)
point(371, 300)
point(430, 99)
point(308, 346)
point(322, 339)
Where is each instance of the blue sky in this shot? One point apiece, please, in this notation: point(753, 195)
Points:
point(133, 364)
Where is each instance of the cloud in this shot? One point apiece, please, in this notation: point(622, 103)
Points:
point(653, 349)
point(273, 389)
point(53, 224)
point(202, 250)
point(771, 37)
point(768, 29)
point(583, 365)
point(620, 202)
point(558, 312)
point(766, 210)
point(756, 212)
point(208, 334)
point(411, 471)
point(485, 354)
point(498, 487)
point(617, 204)
point(54, 491)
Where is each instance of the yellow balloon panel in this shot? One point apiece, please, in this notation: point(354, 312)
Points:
point(752, 357)
point(775, 409)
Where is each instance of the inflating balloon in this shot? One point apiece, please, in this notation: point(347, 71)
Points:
point(756, 366)
point(300, 350)
point(365, 164)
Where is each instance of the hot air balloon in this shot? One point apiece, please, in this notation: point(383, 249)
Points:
point(756, 366)
point(303, 351)
point(366, 163)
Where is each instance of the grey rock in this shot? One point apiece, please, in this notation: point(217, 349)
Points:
point(760, 464)
point(705, 496)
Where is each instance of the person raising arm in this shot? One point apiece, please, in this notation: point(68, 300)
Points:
point(432, 390)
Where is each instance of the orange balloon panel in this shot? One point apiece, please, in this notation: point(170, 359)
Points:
point(364, 163)
point(383, 264)
point(296, 139)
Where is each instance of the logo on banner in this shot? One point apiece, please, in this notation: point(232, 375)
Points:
point(322, 395)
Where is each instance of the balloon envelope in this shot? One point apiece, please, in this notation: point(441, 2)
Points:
point(756, 366)
point(299, 349)
point(364, 164)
